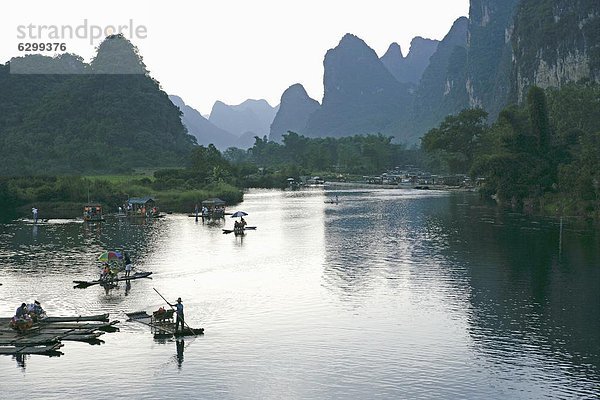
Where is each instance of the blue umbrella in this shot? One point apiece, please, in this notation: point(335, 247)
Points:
point(238, 214)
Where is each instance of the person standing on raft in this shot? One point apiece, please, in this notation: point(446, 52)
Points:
point(128, 265)
point(179, 312)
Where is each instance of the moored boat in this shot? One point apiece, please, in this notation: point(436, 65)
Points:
point(46, 349)
point(76, 318)
point(92, 213)
point(142, 207)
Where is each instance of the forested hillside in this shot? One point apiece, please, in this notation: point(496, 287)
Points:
point(543, 155)
point(62, 116)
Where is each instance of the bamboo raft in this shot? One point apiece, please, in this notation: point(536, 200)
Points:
point(163, 327)
point(46, 336)
point(47, 350)
point(98, 317)
point(239, 231)
point(137, 275)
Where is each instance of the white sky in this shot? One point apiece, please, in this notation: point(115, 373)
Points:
point(232, 50)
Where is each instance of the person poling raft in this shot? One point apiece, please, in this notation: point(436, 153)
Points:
point(179, 312)
point(180, 319)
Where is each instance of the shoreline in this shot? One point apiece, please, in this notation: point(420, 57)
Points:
point(363, 185)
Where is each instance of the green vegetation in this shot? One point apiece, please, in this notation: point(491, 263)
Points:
point(209, 174)
point(106, 117)
point(548, 30)
point(544, 155)
point(302, 156)
point(268, 164)
point(454, 142)
point(64, 196)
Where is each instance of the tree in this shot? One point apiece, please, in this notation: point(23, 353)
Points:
point(538, 115)
point(457, 138)
point(296, 147)
point(207, 163)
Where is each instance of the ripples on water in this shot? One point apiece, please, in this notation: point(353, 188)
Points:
point(390, 293)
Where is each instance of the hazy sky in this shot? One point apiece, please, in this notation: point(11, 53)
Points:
point(231, 50)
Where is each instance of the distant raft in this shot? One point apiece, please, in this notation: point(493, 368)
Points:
point(239, 231)
point(85, 284)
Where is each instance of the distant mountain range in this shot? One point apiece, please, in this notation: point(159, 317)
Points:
point(409, 69)
point(487, 60)
point(253, 116)
point(62, 115)
point(228, 125)
point(202, 129)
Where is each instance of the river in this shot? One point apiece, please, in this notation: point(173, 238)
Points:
point(387, 294)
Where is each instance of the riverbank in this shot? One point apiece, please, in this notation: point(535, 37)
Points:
point(364, 185)
point(64, 197)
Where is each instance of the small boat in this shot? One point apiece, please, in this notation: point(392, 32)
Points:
point(92, 213)
point(141, 207)
point(333, 200)
point(137, 275)
point(239, 231)
point(45, 337)
point(77, 318)
point(83, 337)
point(138, 315)
point(212, 209)
point(40, 221)
point(88, 326)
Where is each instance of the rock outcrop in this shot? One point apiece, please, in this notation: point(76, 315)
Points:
point(295, 108)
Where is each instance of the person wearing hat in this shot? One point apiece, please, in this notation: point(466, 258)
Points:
point(21, 311)
point(179, 312)
point(37, 308)
point(128, 266)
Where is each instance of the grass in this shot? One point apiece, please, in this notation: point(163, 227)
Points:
point(64, 197)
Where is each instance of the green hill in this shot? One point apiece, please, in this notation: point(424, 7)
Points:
point(62, 116)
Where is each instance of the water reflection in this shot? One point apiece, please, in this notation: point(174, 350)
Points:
point(177, 358)
point(213, 223)
point(387, 236)
point(528, 302)
point(20, 359)
point(180, 344)
point(390, 294)
point(530, 299)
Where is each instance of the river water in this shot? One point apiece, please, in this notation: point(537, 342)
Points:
point(388, 294)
